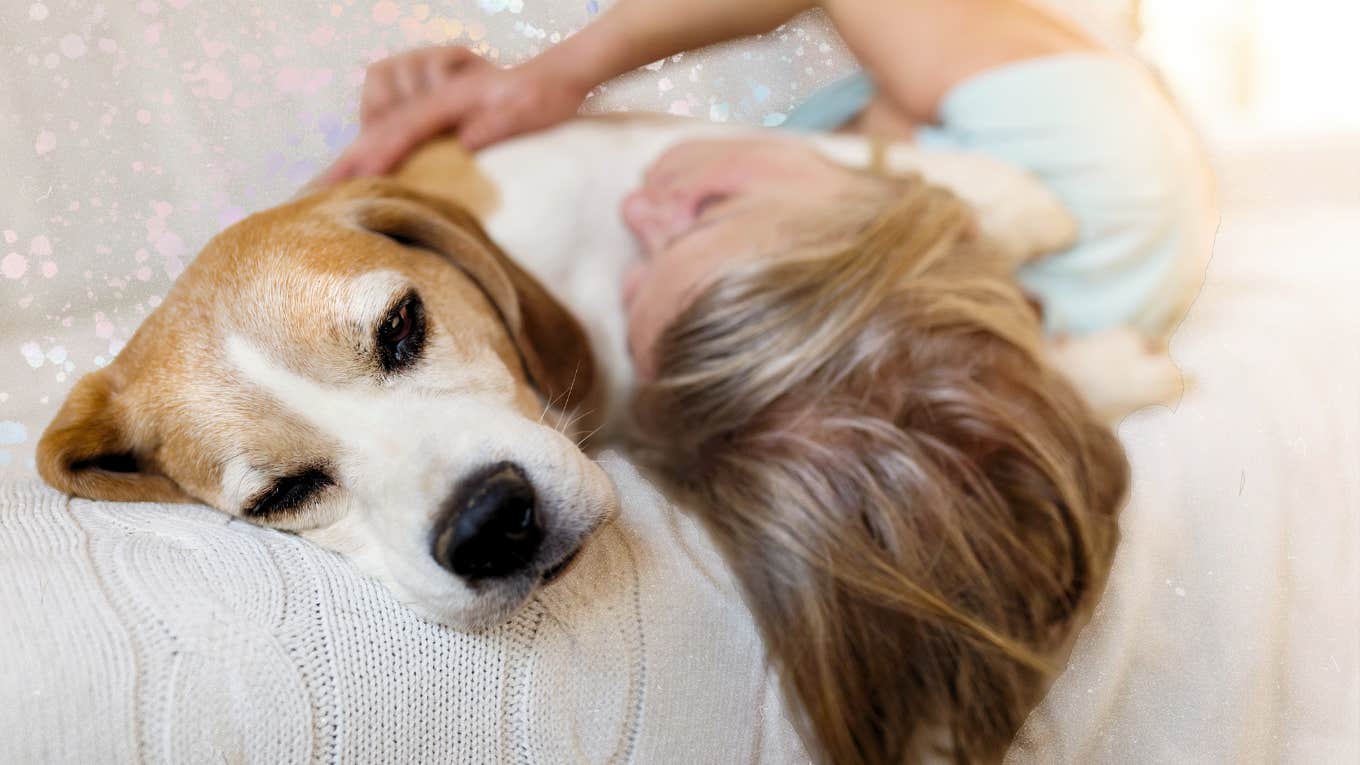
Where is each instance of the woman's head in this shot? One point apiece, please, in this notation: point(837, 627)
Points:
point(706, 206)
point(919, 511)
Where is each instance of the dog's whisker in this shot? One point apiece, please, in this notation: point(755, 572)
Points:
point(571, 386)
point(577, 417)
point(552, 402)
point(565, 428)
point(587, 436)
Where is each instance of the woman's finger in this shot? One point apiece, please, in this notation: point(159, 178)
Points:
point(361, 155)
point(484, 128)
point(405, 128)
point(389, 138)
point(452, 59)
point(378, 92)
point(434, 66)
point(409, 77)
point(341, 169)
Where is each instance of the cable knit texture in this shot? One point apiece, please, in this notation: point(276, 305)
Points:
point(172, 633)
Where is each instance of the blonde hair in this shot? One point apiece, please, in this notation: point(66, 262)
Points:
point(920, 513)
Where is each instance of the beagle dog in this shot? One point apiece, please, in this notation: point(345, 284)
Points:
point(366, 367)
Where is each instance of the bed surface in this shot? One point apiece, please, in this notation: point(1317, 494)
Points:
point(1228, 633)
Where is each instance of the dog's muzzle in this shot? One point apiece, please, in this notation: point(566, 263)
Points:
point(491, 526)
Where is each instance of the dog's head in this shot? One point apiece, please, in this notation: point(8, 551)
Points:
point(366, 368)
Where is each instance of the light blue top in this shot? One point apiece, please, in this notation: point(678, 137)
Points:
point(1099, 132)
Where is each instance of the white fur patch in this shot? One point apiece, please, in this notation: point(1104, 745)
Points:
point(240, 482)
point(401, 450)
point(365, 297)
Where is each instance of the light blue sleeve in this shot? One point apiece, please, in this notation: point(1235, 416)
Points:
point(832, 105)
point(1098, 131)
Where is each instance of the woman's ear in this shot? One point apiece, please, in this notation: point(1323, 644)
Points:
point(86, 450)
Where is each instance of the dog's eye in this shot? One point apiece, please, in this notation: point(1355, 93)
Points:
point(399, 325)
point(288, 493)
point(401, 335)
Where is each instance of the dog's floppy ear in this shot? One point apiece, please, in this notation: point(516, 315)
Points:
point(87, 451)
point(552, 345)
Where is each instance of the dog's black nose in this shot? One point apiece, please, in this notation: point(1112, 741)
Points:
point(490, 529)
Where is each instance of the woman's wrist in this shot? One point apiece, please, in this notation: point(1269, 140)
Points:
point(632, 34)
point(579, 63)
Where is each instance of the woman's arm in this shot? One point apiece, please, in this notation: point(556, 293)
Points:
point(410, 98)
point(918, 50)
point(637, 32)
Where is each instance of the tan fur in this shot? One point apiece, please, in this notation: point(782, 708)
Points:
point(168, 401)
point(443, 168)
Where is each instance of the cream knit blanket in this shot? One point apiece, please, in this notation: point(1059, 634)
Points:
point(171, 633)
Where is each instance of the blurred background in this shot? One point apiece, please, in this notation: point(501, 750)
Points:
point(1257, 68)
point(1271, 85)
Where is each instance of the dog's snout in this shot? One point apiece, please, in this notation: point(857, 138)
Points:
point(492, 527)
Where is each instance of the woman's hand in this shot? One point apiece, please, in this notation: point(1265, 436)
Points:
point(413, 97)
point(410, 98)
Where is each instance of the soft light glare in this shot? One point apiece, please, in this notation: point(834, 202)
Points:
point(1261, 65)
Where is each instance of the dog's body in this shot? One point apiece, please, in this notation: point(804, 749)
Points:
point(365, 367)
